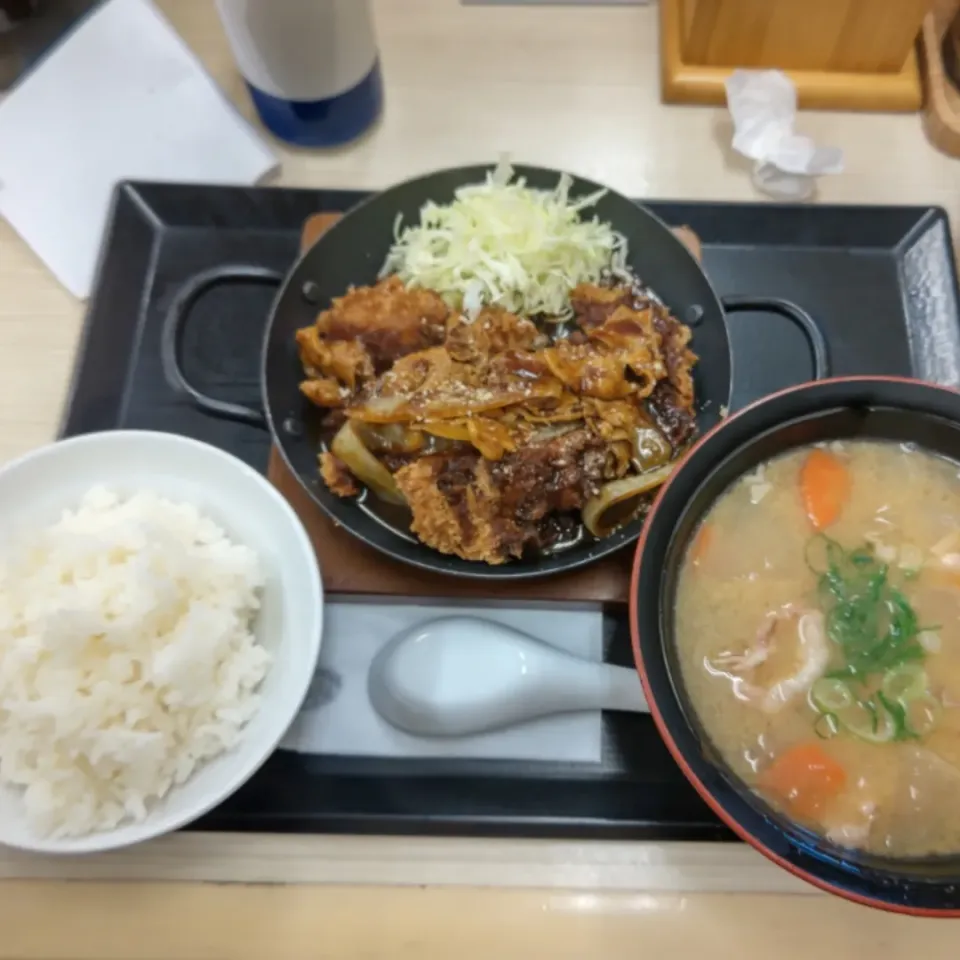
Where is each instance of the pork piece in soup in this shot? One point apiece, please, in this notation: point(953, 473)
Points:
point(818, 633)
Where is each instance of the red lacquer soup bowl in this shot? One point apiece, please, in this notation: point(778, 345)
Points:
point(877, 408)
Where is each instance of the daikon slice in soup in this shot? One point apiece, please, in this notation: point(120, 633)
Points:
point(818, 634)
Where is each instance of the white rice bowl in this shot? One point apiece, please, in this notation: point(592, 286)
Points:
point(35, 491)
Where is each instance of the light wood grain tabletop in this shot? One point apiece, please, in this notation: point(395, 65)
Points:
point(567, 87)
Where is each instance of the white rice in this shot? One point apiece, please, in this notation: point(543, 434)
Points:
point(126, 658)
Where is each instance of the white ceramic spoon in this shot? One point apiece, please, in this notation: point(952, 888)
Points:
point(462, 675)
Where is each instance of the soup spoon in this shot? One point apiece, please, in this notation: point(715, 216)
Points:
point(464, 675)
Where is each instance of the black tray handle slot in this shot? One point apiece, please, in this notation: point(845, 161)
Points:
point(808, 326)
point(172, 334)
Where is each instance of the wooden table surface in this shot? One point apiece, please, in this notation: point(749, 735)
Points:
point(566, 87)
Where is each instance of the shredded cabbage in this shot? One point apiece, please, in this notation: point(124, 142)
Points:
point(507, 244)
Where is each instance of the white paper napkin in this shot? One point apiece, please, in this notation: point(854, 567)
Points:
point(763, 105)
point(121, 98)
point(338, 717)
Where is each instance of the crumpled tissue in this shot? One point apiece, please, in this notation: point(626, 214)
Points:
point(763, 104)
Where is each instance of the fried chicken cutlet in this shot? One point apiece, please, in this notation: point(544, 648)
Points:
point(514, 434)
point(495, 510)
point(362, 334)
point(672, 400)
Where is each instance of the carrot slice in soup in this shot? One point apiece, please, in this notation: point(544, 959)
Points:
point(824, 487)
point(701, 544)
point(953, 580)
point(805, 779)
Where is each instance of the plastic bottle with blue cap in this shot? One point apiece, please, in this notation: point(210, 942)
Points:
point(311, 66)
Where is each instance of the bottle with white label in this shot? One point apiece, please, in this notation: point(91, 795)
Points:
point(311, 66)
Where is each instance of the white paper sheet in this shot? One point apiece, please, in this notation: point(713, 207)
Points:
point(339, 719)
point(121, 98)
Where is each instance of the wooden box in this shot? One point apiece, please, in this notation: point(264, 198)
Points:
point(841, 54)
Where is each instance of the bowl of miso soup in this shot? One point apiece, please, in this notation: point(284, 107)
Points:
point(795, 614)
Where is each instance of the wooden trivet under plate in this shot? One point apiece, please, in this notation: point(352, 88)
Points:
point(351, 567)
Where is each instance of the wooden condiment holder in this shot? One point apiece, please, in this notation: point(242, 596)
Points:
point(841, 54)
point(941, 115)
point(350, 567)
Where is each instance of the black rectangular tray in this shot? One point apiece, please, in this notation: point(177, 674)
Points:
point(880, 281)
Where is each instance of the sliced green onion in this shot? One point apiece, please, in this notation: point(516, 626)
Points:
point(922, 715)
point(829, 695)
point(820, 553)
point(868, 618)
point(862, 557)
point(878, 690)
point(870, 723)
point(905, 682)
point(827, 726)
point(898, 715)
